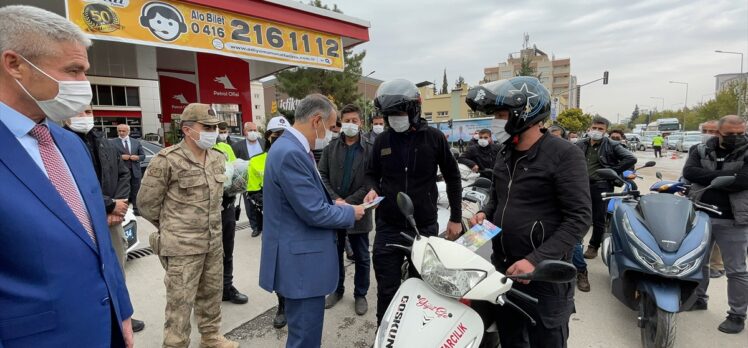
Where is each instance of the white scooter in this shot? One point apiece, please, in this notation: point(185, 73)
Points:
point(428, 312)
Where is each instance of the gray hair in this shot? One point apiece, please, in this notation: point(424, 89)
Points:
point(29, 31)
point(311, 105)
point(731, 120)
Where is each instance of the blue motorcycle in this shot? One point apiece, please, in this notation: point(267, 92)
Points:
point(654, 252)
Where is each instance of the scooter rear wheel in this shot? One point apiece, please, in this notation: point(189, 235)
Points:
point(658, 327)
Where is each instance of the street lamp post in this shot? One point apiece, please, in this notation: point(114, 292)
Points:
point(662, 100)
point(740, 98)
point(685, 102)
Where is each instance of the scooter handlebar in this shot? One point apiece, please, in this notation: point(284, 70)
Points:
point(522, 295)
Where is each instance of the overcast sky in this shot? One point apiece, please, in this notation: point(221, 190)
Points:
point(643, 44)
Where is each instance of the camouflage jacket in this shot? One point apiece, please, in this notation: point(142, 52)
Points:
point(182, 198)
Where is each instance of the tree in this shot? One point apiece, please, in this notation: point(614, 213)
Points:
point(574, 120)
point(445, 86)
point(634, 116)
point(434, 86)
point(526, 68)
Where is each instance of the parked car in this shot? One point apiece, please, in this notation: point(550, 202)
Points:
point(150, 149)
point(689, 140)
point(634, 142)
point(672, 140)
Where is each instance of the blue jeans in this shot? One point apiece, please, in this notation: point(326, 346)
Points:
point(578, 258)
point(362, 260)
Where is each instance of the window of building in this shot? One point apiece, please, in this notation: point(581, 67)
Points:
point(442, 113)
point(106, 95)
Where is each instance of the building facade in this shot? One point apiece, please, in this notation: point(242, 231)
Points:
point(723, 81)
point(554, 74)
point(438, 108)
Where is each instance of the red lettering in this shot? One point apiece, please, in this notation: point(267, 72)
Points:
point(455, 337)
point(440, 312)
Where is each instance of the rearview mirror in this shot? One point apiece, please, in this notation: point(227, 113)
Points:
point(550, 271)
point(482, 182)
point(722, 181)
point(554, 271)
point(406, 207)
point(650, 164)
point(608, 174)
point(658, 175)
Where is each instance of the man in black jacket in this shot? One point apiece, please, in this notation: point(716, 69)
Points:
point(405, 159)
point(725, 155)
point(602, 152)
point(480, 157)
point(540, 199)
point(114, 178)
point(343, 170)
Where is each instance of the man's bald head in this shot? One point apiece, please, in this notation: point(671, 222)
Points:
point(709, 127)
point(250, 127)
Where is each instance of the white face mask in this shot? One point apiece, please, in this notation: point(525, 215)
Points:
point(377, 128)
point(72, 98)
point(222, 137)
point(252, 136)
point(207, 139)
point(476, 136)
point(483, 142)
point(574, 140)
point(399, 123)
point(335, 135)
point(350, 129)
point(82, 124)
point(320, 143)
point(497, 126)
point(595, 135)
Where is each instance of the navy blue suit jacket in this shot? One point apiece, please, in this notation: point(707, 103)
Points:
point(57, 288)
point(299, 251)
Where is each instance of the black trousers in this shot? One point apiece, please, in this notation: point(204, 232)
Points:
point(228, 228)
point(657, 151)
point(134, 188)
point(599, 210)
point(552, 313)
point(388, 261)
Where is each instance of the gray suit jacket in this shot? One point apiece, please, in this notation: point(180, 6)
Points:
point(135, 149)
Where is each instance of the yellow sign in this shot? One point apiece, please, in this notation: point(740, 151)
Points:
point(274, 107)
point(196, 28)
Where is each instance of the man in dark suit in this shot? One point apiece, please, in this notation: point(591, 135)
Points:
point(251, 146)
point(60, 282)
point(132, 153)
point(299, 254)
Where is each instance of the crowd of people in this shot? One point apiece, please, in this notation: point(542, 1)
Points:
point(309, 189)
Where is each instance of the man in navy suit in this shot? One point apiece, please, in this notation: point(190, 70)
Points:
point(132, 153)
point(60, 282)
point(299, 250)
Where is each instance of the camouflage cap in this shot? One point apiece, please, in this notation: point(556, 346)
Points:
point(201, 113)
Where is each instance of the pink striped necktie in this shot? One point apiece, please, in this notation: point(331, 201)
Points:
point(60, 178)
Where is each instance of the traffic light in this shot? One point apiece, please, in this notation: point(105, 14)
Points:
point(605, 78)
point(449, 123)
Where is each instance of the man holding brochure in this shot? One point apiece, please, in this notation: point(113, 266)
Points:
point(540, 199)
point(343, 169)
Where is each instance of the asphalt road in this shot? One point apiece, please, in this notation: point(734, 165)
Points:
point(600, 321)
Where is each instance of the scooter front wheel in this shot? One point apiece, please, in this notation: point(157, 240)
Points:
point(658, 327)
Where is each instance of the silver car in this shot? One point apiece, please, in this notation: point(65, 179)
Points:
point(687, 142)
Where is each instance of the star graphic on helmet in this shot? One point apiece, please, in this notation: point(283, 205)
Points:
point(530, 95)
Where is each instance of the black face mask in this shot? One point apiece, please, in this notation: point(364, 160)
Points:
point(734, 141)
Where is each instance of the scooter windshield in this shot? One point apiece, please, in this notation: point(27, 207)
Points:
point(668, 218)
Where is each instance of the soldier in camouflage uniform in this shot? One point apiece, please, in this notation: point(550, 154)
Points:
point(181, 195)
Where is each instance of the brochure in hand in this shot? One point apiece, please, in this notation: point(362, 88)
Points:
point(373, 203)
point(478, 235)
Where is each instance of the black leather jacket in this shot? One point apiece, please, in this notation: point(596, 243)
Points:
point(613, 154)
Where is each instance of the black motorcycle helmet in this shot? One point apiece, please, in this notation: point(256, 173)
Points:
point(399, 95)
point(526, 99)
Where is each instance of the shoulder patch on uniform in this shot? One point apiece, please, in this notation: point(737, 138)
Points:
point(155, 172)
point(386, 151)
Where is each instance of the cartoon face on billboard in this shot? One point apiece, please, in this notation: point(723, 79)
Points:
point(163, 20)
